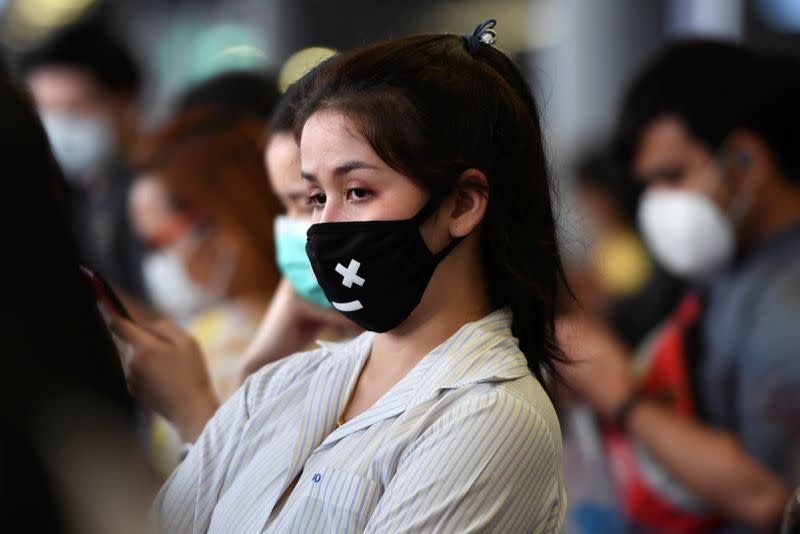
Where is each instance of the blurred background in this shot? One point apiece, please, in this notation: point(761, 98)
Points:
point(579, 54)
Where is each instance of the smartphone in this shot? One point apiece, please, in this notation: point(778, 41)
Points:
point(104, 294)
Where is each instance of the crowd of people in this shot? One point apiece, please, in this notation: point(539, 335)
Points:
point(344, 308)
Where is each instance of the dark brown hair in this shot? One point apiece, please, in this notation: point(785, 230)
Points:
point(432, 109)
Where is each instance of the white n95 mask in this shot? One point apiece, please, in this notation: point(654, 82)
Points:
point(687, 233)
point(174, 292)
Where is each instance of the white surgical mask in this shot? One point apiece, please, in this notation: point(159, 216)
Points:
point(175, 293)
point(80, 142)
point(687, 233)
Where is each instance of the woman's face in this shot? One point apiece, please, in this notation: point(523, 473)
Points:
point(162, 228)
point(282, 159)
point(344, 178)
point(150, 209)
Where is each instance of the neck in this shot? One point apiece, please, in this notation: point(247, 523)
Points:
point(780, 211)
point(456, 295)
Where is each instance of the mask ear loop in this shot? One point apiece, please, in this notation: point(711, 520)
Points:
point(425, 213)
point(430, 207)
point(439, 256)
point(744, 196)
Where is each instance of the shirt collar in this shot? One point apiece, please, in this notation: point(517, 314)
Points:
point(480, 351)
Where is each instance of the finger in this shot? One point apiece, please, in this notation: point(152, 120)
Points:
point(169, 331)
point(129, 331)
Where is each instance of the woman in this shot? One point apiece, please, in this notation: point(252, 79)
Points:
point(205, 208)
point(423, 160)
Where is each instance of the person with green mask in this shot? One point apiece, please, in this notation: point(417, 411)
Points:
point(299, 312)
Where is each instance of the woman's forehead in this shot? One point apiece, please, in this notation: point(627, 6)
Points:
point(331, 138)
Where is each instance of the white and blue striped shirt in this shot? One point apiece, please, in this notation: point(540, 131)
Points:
point(467, 441)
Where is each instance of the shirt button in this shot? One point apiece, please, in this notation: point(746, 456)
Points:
point(316, 478)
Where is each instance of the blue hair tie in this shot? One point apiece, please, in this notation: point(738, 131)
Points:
point(483, 35)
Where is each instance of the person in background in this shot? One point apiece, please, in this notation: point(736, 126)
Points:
point(85, 84)
point(618, 281)
point(711, 129)
point(204, 206)
point(70, 458)
point(300, 313)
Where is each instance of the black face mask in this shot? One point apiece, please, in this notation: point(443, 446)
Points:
point(374, 272)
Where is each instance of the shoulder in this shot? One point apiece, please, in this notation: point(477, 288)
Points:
point(525, 405)
point(500, 415)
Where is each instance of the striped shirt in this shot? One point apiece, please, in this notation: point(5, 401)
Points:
point(467, 441)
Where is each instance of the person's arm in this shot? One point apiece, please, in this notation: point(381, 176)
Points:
point(491, 465)
point(166, 372)
point(187, 500)
point(711, 462)
point(289, 326)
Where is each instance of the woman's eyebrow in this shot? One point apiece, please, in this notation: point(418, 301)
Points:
point(341, 170)
point(345, 168)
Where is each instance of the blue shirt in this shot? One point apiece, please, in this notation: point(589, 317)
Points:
point(750, 371)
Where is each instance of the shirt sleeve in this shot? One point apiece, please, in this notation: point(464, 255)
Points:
point(187, 500)
point(491, 464)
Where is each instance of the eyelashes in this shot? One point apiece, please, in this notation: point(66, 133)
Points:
point(353, 195)
point(316, 200)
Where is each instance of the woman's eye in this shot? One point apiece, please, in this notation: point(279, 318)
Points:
point(316, 200)
point(358, 193)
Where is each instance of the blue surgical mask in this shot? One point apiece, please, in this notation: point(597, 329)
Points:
point(290, 253)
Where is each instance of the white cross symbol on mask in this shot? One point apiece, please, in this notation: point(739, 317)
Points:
point(350, 274)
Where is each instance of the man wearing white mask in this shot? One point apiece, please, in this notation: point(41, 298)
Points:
point(713, 131)
point(85, 84)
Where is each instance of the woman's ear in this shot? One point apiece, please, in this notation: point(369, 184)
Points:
point(469, 205)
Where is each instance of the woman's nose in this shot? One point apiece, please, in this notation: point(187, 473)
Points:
point(332, 212)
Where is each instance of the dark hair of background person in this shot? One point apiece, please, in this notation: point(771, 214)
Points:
point(432, 110)
point(283, 116)
point(92, 48)
point(713, 88)
point(239, 93)
point(55, 344)
point(600, 170)
point(214, 164)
